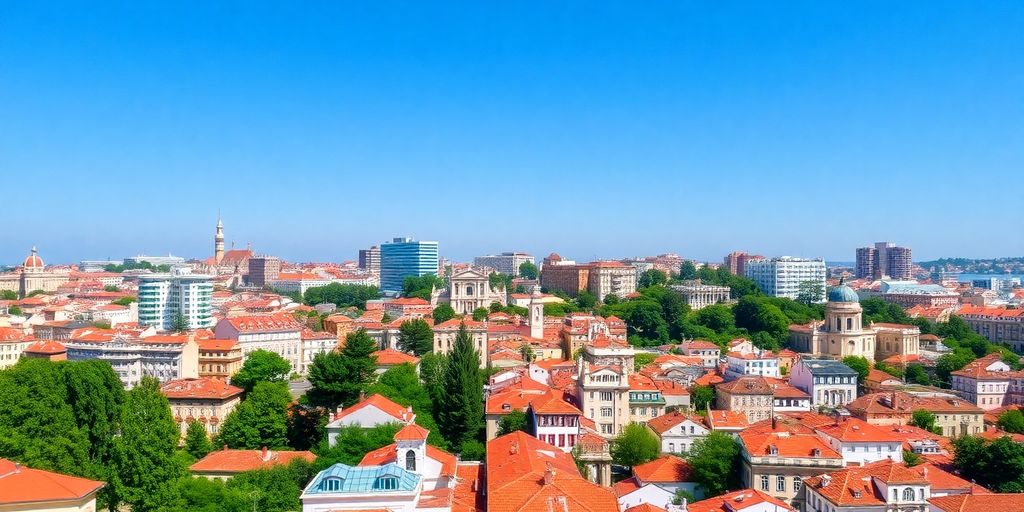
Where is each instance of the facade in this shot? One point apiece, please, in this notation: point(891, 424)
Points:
point(369, 412)
point(263, 270)
point(470, 289)
point(830, 383)
point(32, 276)
point(206, 400)
point(25, 489)
point(677, 431)
point(881, 486)
point(699, 296)
point(506, 263)
point(786, 276)
point(603, 386)
point(571, 279)
point(753, 396)
point(862, 443)
point(998, 324)
point(369, 259)
point(405, 257)
point(278, 333)
point(989, 383)
point(953, 416)
point(657, 482)
point(162, 357)
point(611, 278)
point(219, 359)
point(739, 363)
point(911, 293)
point(708, 352)
point(445, 334)
point(778, 454)
point(314, 343)
point(13, 343)
point(645, 399)
point(736, 262)
point(165, 297)
point(885, 259)
point(864, 268)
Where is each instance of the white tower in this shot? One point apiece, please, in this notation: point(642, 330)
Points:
point(536, 320)
point(218, 241)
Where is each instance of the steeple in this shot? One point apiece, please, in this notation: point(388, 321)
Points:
point(218, 240)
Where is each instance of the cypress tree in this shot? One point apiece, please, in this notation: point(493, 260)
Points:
point(461, 411)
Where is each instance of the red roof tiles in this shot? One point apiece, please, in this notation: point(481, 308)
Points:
point(20, 485)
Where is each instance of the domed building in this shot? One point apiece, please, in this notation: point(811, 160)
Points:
point(842, 333)
point(31, 276)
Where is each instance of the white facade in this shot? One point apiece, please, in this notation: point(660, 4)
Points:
point(680, 438)
point(830, 383)
point(783, 277)
point(283, 339)
point(758, 362)
point(134, 359)
point(506, 263)
point(162, 297)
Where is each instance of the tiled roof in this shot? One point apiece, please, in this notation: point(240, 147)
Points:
point(665, 469)
point(856, 486)
point(718, 420)
point(201, 388)
point(749, 385)
point(412, 432)
point(216, 345)
point(399, 412)
point(237, 461)
point(264, 323)
point(940, 479)
point(644, 507)
point(978, 502)
point(21, 485)
point(389, 453)
point(789, 442)
point(979, 369)
point(468, 495)
point(46, 347)
point(853, 430)
point(391, 357)
point(898, 402)
point(739, 501)
point(624, 487)
point(666, 421)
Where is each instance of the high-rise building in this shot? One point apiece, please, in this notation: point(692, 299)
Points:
point(885, 259)
point(787, 276)
point(163, 297)
point(405, 257)
point(263, 270)
point(369, 259)
point(506, 263)
point(736, 262)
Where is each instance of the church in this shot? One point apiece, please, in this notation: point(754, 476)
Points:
point(33, 276)
point(843, 333)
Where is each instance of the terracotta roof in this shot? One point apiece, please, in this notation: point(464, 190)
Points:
point(399, 412)
point(853, 430)
point(216, 345)
point(749, 385)
point(392, 357)
point(624, 487)
point(201, 388)
point(11, 334)
point(468, 495)
point(644, 507)
point(23, 485)
point(978, 369)
point(667, 468)
point(666, 421)
point(978, 502)
point(786, 443)
point(412, 432)
point(732, 420)
point(389, 453)
point(529, 392)
point(739, 501)
point(47, 347)
point(454, 324)
point(264, 323)
point(237, 461)
point(940, 479)
point(898, 402)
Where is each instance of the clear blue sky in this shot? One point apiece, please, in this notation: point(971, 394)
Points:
point(589, 128)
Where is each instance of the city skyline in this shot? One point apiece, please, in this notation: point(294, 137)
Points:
point(594, 130)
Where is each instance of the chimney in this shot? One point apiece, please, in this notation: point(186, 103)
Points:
point(17, 467)
point(513, 448)
point(924, 471)
point(225, 447)
point(549, 474)
point(775, 423)
point(825, 480)
point(265, 454)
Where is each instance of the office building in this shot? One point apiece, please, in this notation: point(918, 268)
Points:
point(163, 297)
point(884, 259)
point(787, 276)
point(263, 270)
point(405, 257)
point(736, 262)
point(506, 263)
point(600, 278)
point(369, 259)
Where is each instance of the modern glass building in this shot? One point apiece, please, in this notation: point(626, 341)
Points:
point(405, 257)
point(162, 297)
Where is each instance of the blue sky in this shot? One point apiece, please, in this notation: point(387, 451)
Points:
point(593, 129)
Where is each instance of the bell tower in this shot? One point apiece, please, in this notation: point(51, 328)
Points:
point(536, 314)
point(218, 241)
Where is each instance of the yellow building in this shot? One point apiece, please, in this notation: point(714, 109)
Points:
point(206, 400)
point(220, 359)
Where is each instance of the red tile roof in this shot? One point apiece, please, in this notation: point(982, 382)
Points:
point(21, 485)
point(392, 357)
point(853, 430)
point(202, 388)
point(644, 507)
point(237, 461)
point(665, 469)
point(389, 453)
point(47, 347)
point(264, 323)
point(399, 412)
point(739, 501)
point(412, 432)
point(666, 421)
point(978, 502)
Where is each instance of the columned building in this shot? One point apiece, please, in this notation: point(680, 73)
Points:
point(699, 295)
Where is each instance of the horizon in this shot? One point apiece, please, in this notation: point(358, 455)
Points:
point(595, 130)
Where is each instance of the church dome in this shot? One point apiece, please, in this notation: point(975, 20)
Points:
point(843, 293)
point(33, 261)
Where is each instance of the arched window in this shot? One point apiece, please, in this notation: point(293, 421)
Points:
point(331, 484)
point(908, 494)
point(469, 290)
point(410, 460)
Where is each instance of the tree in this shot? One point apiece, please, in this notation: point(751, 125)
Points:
point(111, 288)
point(442, 313)
point(415, 336)
point(915, 373)
point(472, 449)
point(14, 311)
point(180, 323)
point(527, 270)
point(717, 317)
point(687, 271)
point(338, 378)
point(1012, 421)
point(715, 460)
point(480, 314)
point(197, 443)
point(651, 277)
point(274, 488)
point(585, 300)
point(951, 362)
point(997, 465)
point(401, 384)
point(757, 314)
point(634, 446)
point(860, 365)
point(124, 301)
point(810, 292)
point(460, 412)
point(260, 420)
point(144, 463)
point(341, 295)
point(611, 299)
point(8, 295)
point(642, 359)
point(925, 419)
point(421, 286)
point(261, 366)
point(912, 459)
point(702, 397)
point(354, 442)
point(526, 351)
point(511, 422)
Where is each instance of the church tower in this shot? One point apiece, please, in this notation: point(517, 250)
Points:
point(536, 314)
point(218, 241)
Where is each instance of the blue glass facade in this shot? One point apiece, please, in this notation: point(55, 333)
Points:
point(405, 257)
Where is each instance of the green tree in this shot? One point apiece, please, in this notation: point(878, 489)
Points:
point(8, 295)
point(111, 288)
point(687, 271)
point(634, 446)
point(339, 377)
point(651, 277)
point(402, 385)
point(951, 362)
point(480, 314)
point(915, 373)
point(14, 311)
point(274, 488)
point(261, 366)
point(460, 418)
point(912, 459)
point(527, 270)
point(1012, 421)
point(415, 336)
point(442, 313)
point(353, 443)
point(180, 323)
point(810, 292)
point(421, 286)
point(756, 314)
point(717, 317)
point(611, 299)
point(924, 419)
point(860, 365)
point(341, 295)
point(197, 443)
point(511, 422)
point(586, 300)
point(145, 467)
point(260, 420)
point(702, 397)
point(715, 460)
point(124, 301)
point(642, 359)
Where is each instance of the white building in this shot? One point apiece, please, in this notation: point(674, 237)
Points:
point(709, 353)
point(678, 431)
point(860, 442)
point(506, 263)
point(830, 383)
point(165, 358)
point(469, 290)
point(370, 412)
point(278, 333)
point(786, 276)
point(314, 343)
point(163, 297)
point(751, 362)
point(882, 486)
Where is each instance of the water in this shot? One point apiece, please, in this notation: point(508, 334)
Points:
point(966, 278)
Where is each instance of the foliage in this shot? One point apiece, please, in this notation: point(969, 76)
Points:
point(912, 459)
point(611, 299)
point(860, 365)
point(585, 300)
point(339, 377)
point(261, 366)
point(681, 495)
point(757, 314)
point(715, 460)
point(442, 313)
point(878, 310)
point(460, 418)
point(415, 336)
point(421, 286)
point(511, 422)
point(341, 295)
point(8, 295)
point(111, 288)
point(642, 359)
point(651, 277)
point(402, 385)
point(142, 265)
point(717, 317)
point(124, 301)
point(197, 443)
point(997, 465)
point(353, 443)
point(14, 310)
point(634, 446)
point(528, 270)
point(480, 314)
point(557, 309)
point(890, 369)
point(1012, 421)
point(702, 397)
point(179, 324)
point(924, 419)
point(260, 420)
point(687, 271)
point(951, 362)
point(810, 292)
point(101, 324)
point(916, 374)
point(472, 449)
point(498, 281)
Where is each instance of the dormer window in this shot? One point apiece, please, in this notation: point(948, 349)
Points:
point(908, 494)
point(386, 483)
point(331, 484)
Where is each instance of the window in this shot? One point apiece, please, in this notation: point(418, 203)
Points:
point(671, 447)
point(780, 484)
point(796, 484)
point(331, 484)
point(908, 494)
point(387, 483)
point(410, 460)
point(606, 396)
point(764, 483)
point(606, 412)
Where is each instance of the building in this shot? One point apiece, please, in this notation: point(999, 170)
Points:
point(263, 270)
point(708, 352)
point(657, 482)
point(998, 324)
point(884, 485)
point(313, 344)
point(369, 259)
point(911, 293)
point(25, 489)
point(860, 443)
point(753, 396)
point(989, 383)
point(830, 383)
point(779, 453)
point(603, 385)
point(470, 289)
point(751, 362)
point(864, 268)
point(206, 400)
point(745, 500)
point(405, 257)
point(885, 259)
point(524, 473)
point(611, 278)
point(736, 262)
point(166, 299)
point(645, 398)
point(13, 343)
point(446, 332)
point(507, 263)
point(279, 333)
point(977, 502)
point(226, 463)
point(953, 416)
point(47, 349)
point(570, 279)
point(33, 275)
point(219, 359)
point(164, 358)
point(787, 276)
point(678, 431)
point(369, 412)
point(699, 296)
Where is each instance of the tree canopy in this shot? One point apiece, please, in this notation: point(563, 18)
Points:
point(924, 419)
point(715, 460)
point(511, 422)
point(528, 270)
point(634, 446)
point(341, 295)
point(261, 366)
point(338, 378)
point(860, 365)
point(651, 277)
point(460, 418)
point(442, 313)
point(259, 420)
point(997, 465)
point(415, 336)
point(1012, 421)
point(421, 286)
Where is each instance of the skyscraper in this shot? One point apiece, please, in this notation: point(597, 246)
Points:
point(787, 276)
point(369, 259)
point(163, 297)
point(405, 257)
point(885, 259)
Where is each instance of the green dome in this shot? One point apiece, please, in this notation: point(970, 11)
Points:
point(842, 293)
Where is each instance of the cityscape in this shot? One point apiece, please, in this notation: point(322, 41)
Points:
point(671, 257)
